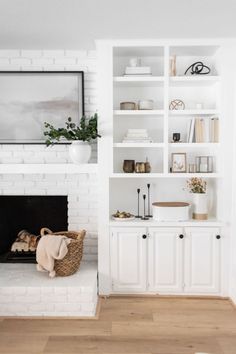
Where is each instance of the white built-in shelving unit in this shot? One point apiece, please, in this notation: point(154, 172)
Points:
point(120, 189)
point(161, 122)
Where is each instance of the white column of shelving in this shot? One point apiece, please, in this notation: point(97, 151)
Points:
point(166, 110)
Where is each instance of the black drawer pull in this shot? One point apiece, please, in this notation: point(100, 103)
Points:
point(181, 236)
point(218, 237)
point(144, 236)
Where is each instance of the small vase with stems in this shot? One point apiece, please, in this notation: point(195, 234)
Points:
point(197, 187)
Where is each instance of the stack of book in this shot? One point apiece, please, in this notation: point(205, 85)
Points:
point(203, 130)
point(137, 136)
point(138, 70)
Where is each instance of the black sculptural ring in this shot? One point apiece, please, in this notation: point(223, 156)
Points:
point(198, 68)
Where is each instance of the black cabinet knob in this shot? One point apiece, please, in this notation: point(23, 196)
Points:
point(181, 236)
point(218, 237)
point(144, 236)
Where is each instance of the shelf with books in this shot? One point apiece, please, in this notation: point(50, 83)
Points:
point(194, 112)
point(194, 80)
point(203, 130)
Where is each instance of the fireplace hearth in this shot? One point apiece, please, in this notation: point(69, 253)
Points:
point(29, 213)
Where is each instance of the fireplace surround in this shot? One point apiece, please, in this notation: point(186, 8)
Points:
point(26, 292)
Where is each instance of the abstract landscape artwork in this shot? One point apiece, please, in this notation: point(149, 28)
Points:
point(28, 99)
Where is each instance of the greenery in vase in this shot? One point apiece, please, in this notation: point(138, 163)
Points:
point(196, 185)
point(85, 131)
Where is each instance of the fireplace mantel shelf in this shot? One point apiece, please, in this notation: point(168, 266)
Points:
point(47, 168)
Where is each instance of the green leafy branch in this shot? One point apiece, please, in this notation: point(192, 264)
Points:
point(85, 131)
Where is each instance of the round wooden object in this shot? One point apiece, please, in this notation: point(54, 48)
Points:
point(170, 204)
point(176, 105)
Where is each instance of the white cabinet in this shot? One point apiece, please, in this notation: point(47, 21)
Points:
point(165, 259)
point(202, 260)
point(128, 259)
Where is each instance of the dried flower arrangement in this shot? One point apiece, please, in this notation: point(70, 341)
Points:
point(196, 185)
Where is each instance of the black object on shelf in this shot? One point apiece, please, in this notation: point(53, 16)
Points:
point(138, 216)
point(144, 208)
point(198, 68)
point(149, 211)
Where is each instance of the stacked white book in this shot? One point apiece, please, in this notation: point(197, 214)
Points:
point(203, 130)
point(138, 70)
point(137, 136)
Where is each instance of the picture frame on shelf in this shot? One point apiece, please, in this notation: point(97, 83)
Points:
point(179, 162)
point(29, 98)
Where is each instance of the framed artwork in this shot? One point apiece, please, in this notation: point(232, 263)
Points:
point(179, 163)
point(30, 98)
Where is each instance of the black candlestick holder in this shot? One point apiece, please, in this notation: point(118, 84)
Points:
point(149, 206)
point(144, 208)
point(138, 216)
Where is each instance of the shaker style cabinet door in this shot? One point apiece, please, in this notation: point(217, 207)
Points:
point(165, 259)
point(202, 260)
point(128, 259)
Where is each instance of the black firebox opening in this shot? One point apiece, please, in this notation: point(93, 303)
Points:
point(29, 213)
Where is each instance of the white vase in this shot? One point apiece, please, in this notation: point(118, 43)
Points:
point(80, 151)
point(200, 206)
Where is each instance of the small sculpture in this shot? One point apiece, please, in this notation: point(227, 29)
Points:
point(149, 211)
point(176, 105)
point(144, 208)
point(198, 68)
point(138, 216)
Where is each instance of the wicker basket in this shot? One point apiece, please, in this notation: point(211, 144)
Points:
point(71, 262)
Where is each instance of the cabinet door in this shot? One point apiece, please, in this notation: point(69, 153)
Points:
point(128, 259)
point(202, 260)
point(165, 254)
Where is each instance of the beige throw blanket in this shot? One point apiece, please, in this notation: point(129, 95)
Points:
point(49, 248)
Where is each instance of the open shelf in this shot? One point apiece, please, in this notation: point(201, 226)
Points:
point(138, 145)
point(194, 80)
point(193, 112)
point(194, 145)
point(164, 175)
point(151, 112)
point(148, 223)
point(138, 80)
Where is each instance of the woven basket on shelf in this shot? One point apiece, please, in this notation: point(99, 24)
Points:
point(71, 262)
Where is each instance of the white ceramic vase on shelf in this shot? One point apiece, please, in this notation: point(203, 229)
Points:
point(80, 152)
point(200, 206)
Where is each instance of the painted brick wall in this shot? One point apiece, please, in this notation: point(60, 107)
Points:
point(81, 189)
point(50, 60)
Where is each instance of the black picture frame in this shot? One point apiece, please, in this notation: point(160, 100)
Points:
point(80, 75)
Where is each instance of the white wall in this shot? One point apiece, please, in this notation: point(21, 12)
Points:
point(55, 24)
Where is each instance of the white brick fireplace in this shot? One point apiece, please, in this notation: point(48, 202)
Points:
point(24, 291)
point(38, 170)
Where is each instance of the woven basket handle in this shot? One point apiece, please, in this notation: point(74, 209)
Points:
point(45, 231)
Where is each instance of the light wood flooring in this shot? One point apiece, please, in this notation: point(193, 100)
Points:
point(134, 325)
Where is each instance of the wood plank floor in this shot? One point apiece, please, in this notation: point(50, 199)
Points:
point(130, 325)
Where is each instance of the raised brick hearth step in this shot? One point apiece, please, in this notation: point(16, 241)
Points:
point(26, 292)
